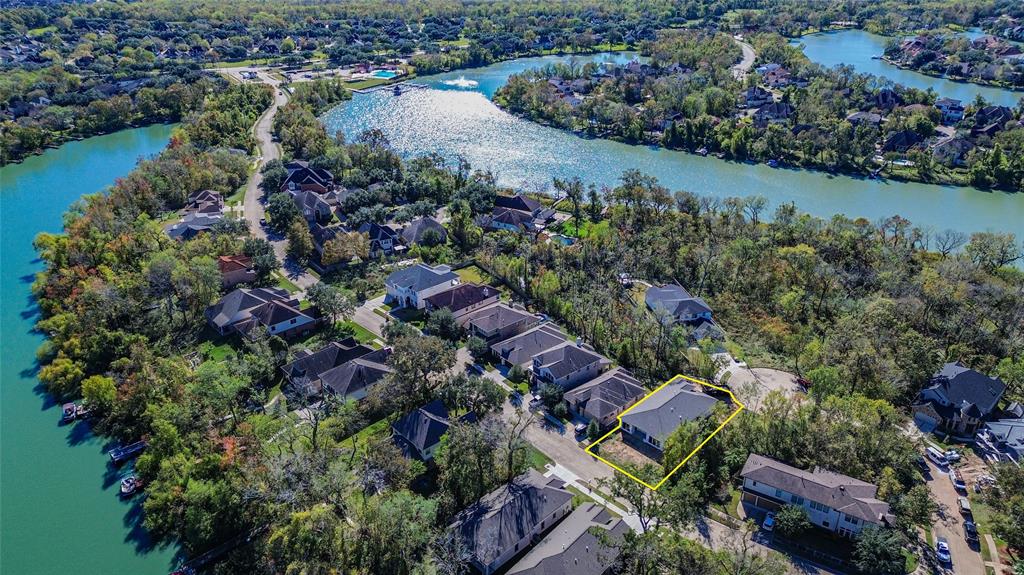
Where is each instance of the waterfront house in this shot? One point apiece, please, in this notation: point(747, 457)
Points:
point(235, 270)
point(507, 219)
point(582, 544)
point(952, 151)
point(303, 177)
point(306, 370)
point(952, 110)
point(424, 230)
point(463, 299)
point(418, 433)
point(773, 113)
point(649, 423)
point(957, 400)
point(834, 502)
point(520, 349)
point(676, 304)
point(497, 322)
point(887, 99)
point(271, 309)
point(567, 365)
point(191, 226)
point(900, 141)
point(993, 115)
point(411, 286)
point(505, 521)
point(605, 397)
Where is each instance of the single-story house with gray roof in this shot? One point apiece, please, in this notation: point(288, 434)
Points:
point(655, 417)
point(835, 502)
point(677, 303)
point(504, 522)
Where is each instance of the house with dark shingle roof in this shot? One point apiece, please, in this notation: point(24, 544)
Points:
point(654, 418)
point(677, 303)
point(835, 502)
point(463, 299)
point(415, 231)
point(567, 365)
point(305, 369)
point(302, 176)
point(419, 433)
point(504, 522)
point(582, 544)
point(957, 400)
point(272, 309)
point(497, 322)
point(411, 286)
point(344, 368)
point(191, 225)
point(1008, 436)
point(384, 241)
point(520, 349)
point(606, 396)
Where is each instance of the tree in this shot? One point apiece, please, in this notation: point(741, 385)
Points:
point(331, 301)
point(551, 394)
point(395, 532)
point(99, 393)
point(517, 374)
point(478, 348)
point(466, 463)
point(594, 205)
point(472, 393)
point(593, 430)
point(311, 541)
point(792, 521)
point(879, 551)
point(573, 190)
point(418, 361)
point(274, 175)
point(264, 261)
point(300, 241)
point(442, 323)
point(282, 212)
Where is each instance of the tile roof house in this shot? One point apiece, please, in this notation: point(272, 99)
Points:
point(567, 365)
point(505, 521)
point(343, 368)
point(463, 299)
point(411, 286)
point(419, 433)
point(957, 400)
point(497, 322)
point(415, 231)
point(579, 545)
point(243, 310)
point(677, 303)
point(835, 502)
point(606, 396)
point(653, 419)
point(235, 270)
point(520, 349)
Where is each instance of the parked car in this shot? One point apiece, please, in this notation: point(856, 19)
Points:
point(769, 522)
point(958, 480)
point(580, 428)
point(970, 532)
point(964, 505)
point(952, 455)
point(937, 457)
point(942, 551)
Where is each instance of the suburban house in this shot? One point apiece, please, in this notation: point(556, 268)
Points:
point(567, 365)
point(952, 110)
point(958, 400)
point(419, 433)
point(755, 97)
point(675, 301)
point(463, 299)
point(411, 286)
point(384, 241)
point(301, 176)
point(191, 225)
point(773, 113)
point(866, 118)
point(652, 420)
point(235, 270)
point(900, 141)
point(989, 115)
point(577, 546)
point(887, 99)
point(520, 349)
point(313, 206)
point(346, 369)
point(206, 202)
point(1007, 435)
point(242, 310)
point(605, 397)
point(497, 322)
point(835, 502)
point(505, 521)
point(423, 228)
point(507, 219)
point(952, 150)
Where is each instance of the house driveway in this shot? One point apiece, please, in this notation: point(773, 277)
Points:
point(365, 316)
point(948, 523)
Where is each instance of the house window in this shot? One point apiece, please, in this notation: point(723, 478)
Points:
point(824, 523)
point(796, 500)
point(778, 493)
point(292, 321)
point(852, 520)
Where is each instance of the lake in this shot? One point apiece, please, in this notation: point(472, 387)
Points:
point(60, 508)
point(857, 47)
point(454, 116)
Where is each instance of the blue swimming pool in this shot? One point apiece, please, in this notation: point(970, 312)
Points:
point(386, 74)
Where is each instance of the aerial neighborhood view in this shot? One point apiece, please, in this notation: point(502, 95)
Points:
point(502, 287)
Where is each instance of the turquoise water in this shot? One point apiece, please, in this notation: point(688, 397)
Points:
point(857, 47)
point(386, 74)
point(59, 510)
point(454, 116)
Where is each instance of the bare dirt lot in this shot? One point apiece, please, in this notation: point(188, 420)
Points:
point(751, 385)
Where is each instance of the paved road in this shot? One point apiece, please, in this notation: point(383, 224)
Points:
point(739, 71)
point(365, 317)
point(949, 524)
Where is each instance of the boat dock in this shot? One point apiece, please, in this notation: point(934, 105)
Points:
point(121, 454)
point(401, 87)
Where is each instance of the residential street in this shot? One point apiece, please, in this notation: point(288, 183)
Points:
point(739, 71)
point(949, 524)
point(365, 316)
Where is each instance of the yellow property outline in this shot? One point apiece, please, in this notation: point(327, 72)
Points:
point(740, 407)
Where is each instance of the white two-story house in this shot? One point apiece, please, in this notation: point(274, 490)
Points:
point(410, 287)
point(835, 502)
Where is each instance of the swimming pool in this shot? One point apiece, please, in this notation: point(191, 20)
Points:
point(386, 74)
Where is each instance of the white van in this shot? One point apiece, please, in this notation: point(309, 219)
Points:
point(936, 456)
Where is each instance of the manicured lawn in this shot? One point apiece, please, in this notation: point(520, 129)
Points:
point(369, 83)
point(376, 430)
point(473, 274)
point(536, 459)
point(729, 507)
point(217, 350)
point(236, 197)
point(360, 333)
point(285, 284)
point(578, 497)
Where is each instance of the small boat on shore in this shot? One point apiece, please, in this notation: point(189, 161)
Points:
point(121, 454)
point(69, 412)
point(702, 151)
point(773, 163)
point(129, 485)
